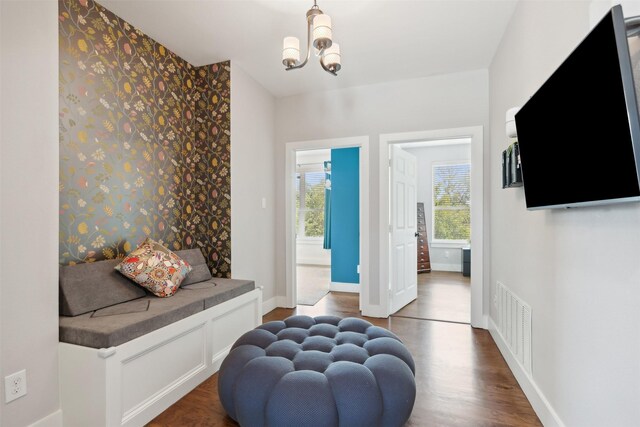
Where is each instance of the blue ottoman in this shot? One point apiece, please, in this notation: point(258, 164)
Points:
point(322, 371)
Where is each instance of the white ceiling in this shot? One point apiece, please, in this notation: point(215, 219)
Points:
point(380, 40)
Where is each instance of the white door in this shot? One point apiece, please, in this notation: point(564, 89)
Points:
point(403, 230)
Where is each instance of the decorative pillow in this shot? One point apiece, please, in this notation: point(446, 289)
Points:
point(155, 268)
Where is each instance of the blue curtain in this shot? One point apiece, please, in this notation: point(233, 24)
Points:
point(326, 244)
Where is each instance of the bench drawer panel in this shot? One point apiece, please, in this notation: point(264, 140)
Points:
point(150, 375)
point(243, 318)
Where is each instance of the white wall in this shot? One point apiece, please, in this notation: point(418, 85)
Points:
point(598, 8)
point(252, 179)
point(313, 157)
point(437, 102)
point(577, 268)
point(29, 201)
point(442, 258)
point(311, 252)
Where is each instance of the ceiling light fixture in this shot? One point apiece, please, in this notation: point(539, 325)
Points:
point(319, 35)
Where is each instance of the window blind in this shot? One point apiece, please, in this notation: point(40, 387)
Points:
point(451, 202)
point(310, 203)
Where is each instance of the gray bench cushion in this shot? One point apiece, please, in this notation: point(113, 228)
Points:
point(200, 271)
point(218, 290)
point(88, 287)
point(118, 324)
point(92, 286)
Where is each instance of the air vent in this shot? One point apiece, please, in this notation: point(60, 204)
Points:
point(514, 325)
point(526, 338)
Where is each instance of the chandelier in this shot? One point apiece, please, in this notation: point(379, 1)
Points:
point(319, 35)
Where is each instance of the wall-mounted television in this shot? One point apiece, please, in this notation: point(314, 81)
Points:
point(579, 134)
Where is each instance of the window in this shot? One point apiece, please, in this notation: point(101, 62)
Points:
point(451, 208)
point(310, 181)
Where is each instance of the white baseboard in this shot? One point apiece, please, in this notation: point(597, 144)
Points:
point(485, 322)
point(539, 402)
point(269, 305)
point(282, 301)
point(446, 267)
point(273, 303)
point(354, 288)
point(375, 311)
point(52, 420)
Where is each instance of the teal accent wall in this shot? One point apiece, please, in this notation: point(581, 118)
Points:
point(345, 215)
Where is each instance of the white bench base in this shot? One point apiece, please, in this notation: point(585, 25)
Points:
point(132, 383)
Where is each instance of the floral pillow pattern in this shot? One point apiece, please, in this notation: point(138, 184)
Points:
point(155, 268)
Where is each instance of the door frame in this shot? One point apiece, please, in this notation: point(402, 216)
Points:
point(475, 133)
point(290, 211)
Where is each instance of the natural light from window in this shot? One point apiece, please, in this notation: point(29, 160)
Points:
point(310, 185)
point(451, 203)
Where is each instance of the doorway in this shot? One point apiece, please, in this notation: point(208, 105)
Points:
point(313, 252)
point(391, 143)
point(443, 193)
point(358, 268)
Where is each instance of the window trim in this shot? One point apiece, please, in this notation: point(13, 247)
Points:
point(310, 240)
point(301, 170)
point(447, 243)
point(309, 167)
point(450, 244)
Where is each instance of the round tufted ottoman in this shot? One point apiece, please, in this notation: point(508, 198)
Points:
point(322, 371)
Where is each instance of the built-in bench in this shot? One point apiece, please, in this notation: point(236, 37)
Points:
point(123, 363)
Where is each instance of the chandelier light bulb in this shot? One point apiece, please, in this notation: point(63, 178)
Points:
point(322, 31)
point(290, 51)
point(331, 57)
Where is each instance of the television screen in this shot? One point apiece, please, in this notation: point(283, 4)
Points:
point(579, 134)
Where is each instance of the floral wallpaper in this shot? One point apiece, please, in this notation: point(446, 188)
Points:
point(144, 143)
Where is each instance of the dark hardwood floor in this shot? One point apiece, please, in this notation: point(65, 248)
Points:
point(462, 380)
point(442, 295)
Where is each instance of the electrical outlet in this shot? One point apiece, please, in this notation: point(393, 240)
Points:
point(15, 386)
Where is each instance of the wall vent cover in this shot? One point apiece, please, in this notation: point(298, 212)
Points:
point(514, 325)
